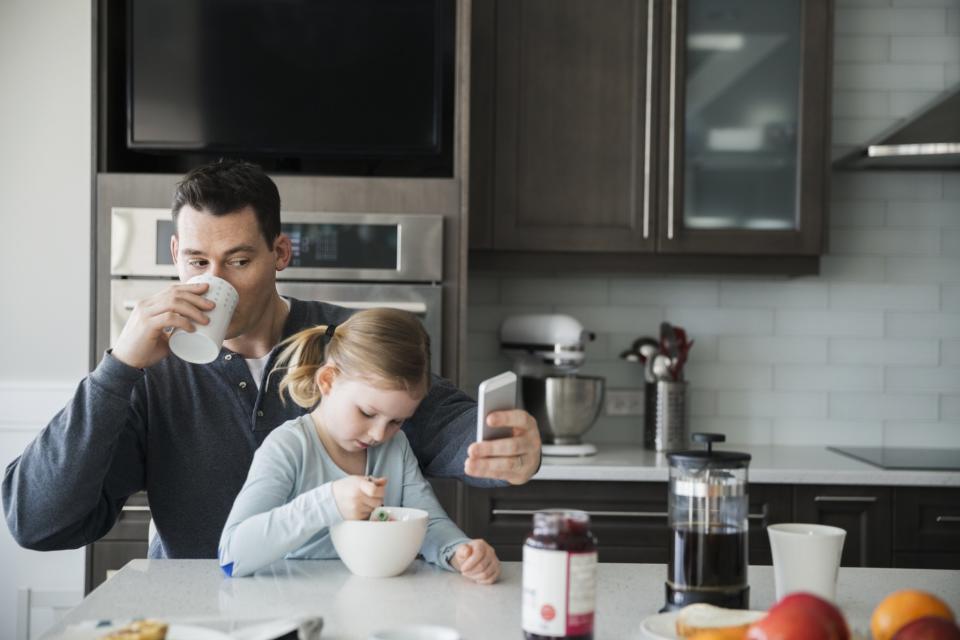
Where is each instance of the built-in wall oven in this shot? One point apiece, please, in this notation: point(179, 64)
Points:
point(356, 260)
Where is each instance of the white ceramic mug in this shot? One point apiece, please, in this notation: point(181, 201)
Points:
point(203, 345)
point(806, 557)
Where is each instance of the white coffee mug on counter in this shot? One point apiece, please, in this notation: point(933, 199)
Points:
point(806, 557)
point(203, 345)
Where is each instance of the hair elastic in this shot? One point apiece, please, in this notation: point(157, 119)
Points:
point(331, 329)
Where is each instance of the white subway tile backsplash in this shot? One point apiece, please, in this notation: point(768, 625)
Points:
point(887, 21)
point(951, 74)
point(791, 295)
point(829, 323)
point(617, 318)
point(925, 48)
point(855, 213)
point(907, 103)
point(909, 433)
point(812, 432)
point(861, 104)
point(923, 269)
point(852, 268)
point(951, 185)
point(889, 76)
point(950, 408)
point(923, 325)
point(679, 293)
point(953, 20)
point(863, 297)
point(849, 48)
point(950, 300)
point(482, 345)
point(913, 241)
point(483, 290)
point(951, 353)
point(726, 376)
point(883, 406)
point(757, 431)
point(950, 242)
point(838, 378)
point(854, 131)
point(772, 404)
point(932, 379)
point(551, 291)
point(489, 317)
point(774, 349)
point(729, 322)
point(945, 213)
point(884, 351)
point(701, 402)
point(887, 185)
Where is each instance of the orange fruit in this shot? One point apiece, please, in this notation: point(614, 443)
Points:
point(901, 607)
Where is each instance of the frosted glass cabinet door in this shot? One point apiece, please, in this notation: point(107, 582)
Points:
point(739, 177)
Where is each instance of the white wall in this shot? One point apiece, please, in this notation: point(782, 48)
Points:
point(45, 58)
point(868, 352)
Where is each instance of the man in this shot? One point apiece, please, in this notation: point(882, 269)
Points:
point(144, 419)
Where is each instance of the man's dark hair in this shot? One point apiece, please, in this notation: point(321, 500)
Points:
point(227, 186)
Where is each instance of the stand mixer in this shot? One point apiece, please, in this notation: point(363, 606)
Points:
point(547, 351)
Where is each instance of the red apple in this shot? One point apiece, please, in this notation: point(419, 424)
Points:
point(928, 628)
point(818, 607)
point(790, 623)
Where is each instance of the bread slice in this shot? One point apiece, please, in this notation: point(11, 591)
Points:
point(700, 617)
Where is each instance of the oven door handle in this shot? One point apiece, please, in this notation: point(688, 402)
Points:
point(412, 307)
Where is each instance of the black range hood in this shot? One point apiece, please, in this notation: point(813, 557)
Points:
point(929, 139)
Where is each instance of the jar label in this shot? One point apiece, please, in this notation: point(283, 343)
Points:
point(559, 592)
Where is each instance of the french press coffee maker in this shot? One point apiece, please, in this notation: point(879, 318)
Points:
point(708, 522)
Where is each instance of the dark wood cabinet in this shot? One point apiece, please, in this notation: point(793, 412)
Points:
point(926, 527)
point(625, 126)
point(769, 504)
point(864, 512)
point(628, 518)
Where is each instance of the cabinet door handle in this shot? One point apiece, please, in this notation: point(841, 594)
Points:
point(864, 499)
point(948, 518)
point(671, 150)
point(605, 514)
point(134, 507)
point(647, 125)
point(756, 516)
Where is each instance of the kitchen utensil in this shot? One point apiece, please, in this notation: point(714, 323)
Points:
point(661, 367)
point(707, 510)
point(665, 416)
point(565, 407)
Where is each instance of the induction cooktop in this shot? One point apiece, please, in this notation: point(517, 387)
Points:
point(905, 457)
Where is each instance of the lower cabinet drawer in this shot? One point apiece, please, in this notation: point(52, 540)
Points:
point(629, 519)
point(926, 520)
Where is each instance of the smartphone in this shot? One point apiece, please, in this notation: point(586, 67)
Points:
point(495, 394)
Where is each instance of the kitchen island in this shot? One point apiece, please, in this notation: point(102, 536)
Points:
point(353, 607)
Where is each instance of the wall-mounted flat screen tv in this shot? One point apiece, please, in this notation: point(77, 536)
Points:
point(316, 78)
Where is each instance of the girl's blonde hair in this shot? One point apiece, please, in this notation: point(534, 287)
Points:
point(386, 346)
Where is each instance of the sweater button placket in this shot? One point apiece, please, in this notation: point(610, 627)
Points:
point(242, 385)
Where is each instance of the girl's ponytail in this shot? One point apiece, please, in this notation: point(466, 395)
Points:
point(302, 356)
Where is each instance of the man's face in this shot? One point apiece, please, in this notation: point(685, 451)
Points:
point(231, 247)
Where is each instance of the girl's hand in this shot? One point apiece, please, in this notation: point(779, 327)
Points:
point(358, 496)
point(478, 561)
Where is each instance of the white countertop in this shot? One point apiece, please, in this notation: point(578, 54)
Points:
point(353, 607)
point(769, 464)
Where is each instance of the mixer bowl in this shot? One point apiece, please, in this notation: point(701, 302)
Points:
point(565, 406)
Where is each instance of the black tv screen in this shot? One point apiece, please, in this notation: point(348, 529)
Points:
point(324, 78)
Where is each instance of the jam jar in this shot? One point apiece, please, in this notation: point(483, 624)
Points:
point(559, 576)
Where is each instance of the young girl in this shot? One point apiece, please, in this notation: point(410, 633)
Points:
point(348, 456)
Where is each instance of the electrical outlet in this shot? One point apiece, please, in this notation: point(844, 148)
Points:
point(624, 402)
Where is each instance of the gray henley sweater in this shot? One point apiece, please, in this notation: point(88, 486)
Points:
point(186, 434)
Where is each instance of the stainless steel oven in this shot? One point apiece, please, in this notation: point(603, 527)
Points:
point(355, 260)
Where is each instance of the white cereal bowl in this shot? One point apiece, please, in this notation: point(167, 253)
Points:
point(374, 549)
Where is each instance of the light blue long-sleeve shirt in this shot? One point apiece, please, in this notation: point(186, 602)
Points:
point(286, 506)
